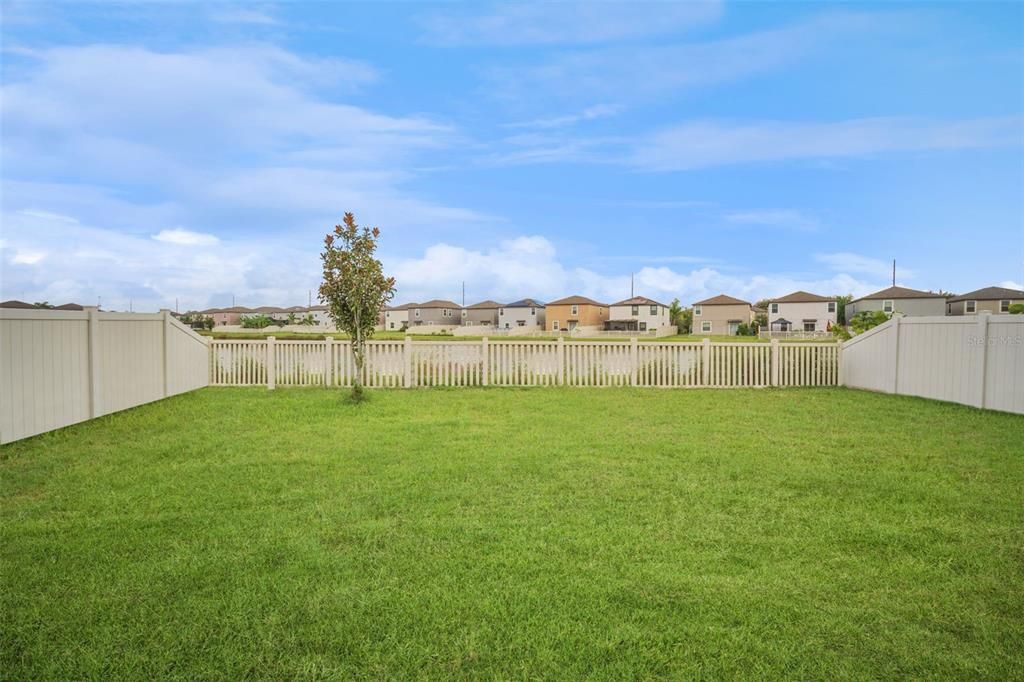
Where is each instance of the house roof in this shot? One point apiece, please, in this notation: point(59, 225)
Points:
point(269, 309)
point(16, 304)
point(404, 306)
point(69, 306)
point(437, 303)
point(640, 300)
point(892, 293)
point(989, 294)
point(722, 299)
point(801, 297)
point(484, 305)
point(577, 300)
point(525, 303)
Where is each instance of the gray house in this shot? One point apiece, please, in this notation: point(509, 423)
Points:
point(482, 314)
point(438, 312)
point(524, 315)
point(909, 302)
point(988, 300)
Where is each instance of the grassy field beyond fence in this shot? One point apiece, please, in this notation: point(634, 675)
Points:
point(516, 533)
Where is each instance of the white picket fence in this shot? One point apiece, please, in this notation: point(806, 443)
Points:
point(971, 359)
point(400, 364)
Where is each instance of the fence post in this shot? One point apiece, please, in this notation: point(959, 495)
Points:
point(776, 358)
point(485, 363)
point(705, 362)
point(634, 360)
point(841, 379)
point(271, 363)
point(983, 360)
point(329, 362)
point(896, 355)
point(94, 364)
point(407, 358)
point(167, 349)
point(560, 349)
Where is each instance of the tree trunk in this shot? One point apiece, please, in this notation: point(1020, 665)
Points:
point(358, 356)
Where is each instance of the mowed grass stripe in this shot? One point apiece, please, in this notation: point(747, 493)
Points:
point(518, 533)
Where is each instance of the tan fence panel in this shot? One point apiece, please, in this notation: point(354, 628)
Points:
point(62, 367)
point(972, 359)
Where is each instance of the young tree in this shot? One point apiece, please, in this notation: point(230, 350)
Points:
point(841, 302)
point(354, 287)
point(675, 312)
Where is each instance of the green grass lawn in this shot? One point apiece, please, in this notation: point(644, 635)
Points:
point(531, 533)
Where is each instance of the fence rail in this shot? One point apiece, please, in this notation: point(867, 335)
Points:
point(401, 364)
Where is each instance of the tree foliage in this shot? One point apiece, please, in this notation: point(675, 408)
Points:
point(841, 302)
point(354, 287)
point(1017, 309)
point(258, 321)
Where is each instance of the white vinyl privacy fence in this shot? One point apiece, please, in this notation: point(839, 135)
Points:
point(394, 364)
point(62, 367)
point(973, 359)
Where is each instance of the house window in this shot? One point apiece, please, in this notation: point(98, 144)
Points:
point(654, 310)
point(634, 310)
point(949, 308)
point(696, 310)
point(971, 306)
point(831, 306)
point(574, 310)
point(533, 311)
point(465, 313)
point(643, 326)
point(554, 325)
point(1004, 306)
point(417, 312)
point(520, 323)
point(887, 306)
point(392, 325)
point(705, 325)
point(809, 326)
point(775, 308)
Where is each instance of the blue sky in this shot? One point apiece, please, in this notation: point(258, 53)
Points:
point(199, 152)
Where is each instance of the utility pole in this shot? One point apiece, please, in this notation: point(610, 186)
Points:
point(463, 293)
point(232, 300)
point(631, 285)
point(175, 304)
point(894, 272)
point(309, 298)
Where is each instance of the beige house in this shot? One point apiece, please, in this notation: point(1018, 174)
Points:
point(995, 300)
point(482, 314)
point(721, 314)
point(436, 313)
point(908, 302)
point(576, 313)
point(801, 311)
point(396, 317)
point(638, 314)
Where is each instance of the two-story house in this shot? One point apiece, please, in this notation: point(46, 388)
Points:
point(482, 314)
point(396, 317)
point(438, 312)
point(909, 302)
point(525, 315)
point(576, 313)
point(638, 314)
point(721, 315)
point(988, 300)
point(802, 311)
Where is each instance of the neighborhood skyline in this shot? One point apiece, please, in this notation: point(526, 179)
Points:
point(198, 152)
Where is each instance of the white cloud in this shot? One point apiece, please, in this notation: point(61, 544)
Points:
point(28, 257)
point(589, 114)
point(622, 74)
point(781, 218)
point(862, 265)
point(184, 237)
point(530, 267)
point(563, 22)
point(46, 214)
point(711, 143)
point(1010, 284)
